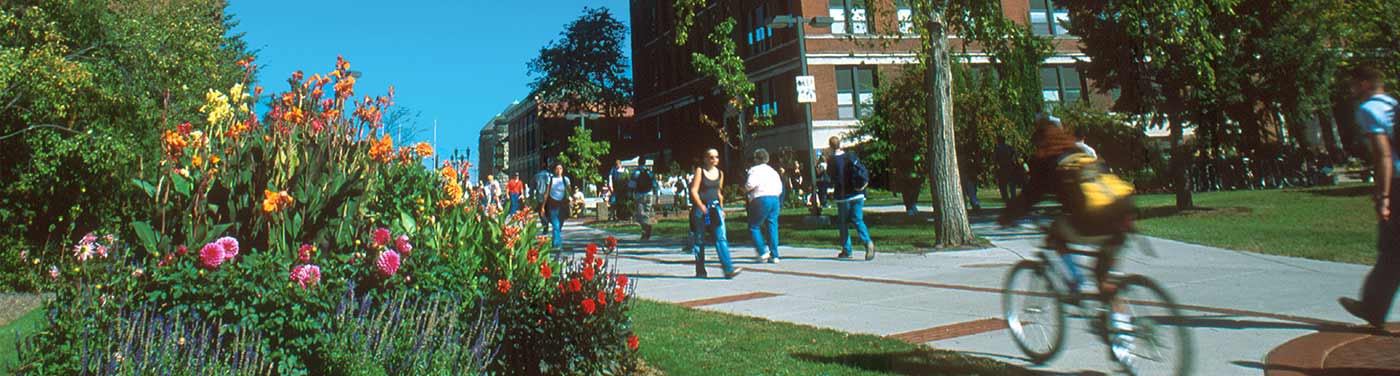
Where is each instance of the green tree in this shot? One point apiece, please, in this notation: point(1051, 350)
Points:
point(581, 157)
point(585, 70)
point(85, 88)
point(1162, 55)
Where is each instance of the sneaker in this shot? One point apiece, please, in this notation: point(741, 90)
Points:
point(732, 273)
point(764, 257)
point(869, 251)
point(1355, 308)
point(774, 260)
point(700, 272)
point(844, 254)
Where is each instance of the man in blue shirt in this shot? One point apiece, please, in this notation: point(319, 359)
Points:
point(1375, 117)
point(850, 200)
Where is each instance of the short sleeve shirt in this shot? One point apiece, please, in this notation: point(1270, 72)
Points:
point(1375, 116)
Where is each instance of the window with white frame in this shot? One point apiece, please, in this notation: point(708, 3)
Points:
point(849, 17)
point(904, 16)
point(855, 91)
point(1047, 18)
point(1061, 84)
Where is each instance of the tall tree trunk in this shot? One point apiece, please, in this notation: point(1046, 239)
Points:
point(1329, 135)
point(1180, 161)
point(953, 228)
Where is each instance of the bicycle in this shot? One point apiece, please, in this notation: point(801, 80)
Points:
point(1144, 338)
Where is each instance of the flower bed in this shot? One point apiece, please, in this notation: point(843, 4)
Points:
point(304, 241)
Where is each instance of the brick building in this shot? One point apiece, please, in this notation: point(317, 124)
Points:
point(846, 61)
point(534, 136)
point(493, 148)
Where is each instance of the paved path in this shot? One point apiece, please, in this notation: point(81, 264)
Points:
point(1242, 305)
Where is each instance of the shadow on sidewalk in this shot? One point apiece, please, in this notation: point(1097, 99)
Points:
point(919, 362)
point(1316, 371)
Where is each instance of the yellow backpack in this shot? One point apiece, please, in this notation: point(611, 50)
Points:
point(1101, 189)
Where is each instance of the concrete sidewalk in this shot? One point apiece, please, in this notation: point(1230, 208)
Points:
point(1240, 305)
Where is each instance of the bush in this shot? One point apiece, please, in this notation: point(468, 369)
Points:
point(267, 226)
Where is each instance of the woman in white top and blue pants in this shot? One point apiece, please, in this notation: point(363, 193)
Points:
point(556, 204)
point(764, 188)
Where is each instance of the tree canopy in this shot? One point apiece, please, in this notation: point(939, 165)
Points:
point(586, 69)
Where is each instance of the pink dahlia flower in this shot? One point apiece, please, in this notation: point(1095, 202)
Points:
point(304, 254)
point(229, 245)
point(211, 256)
point(403, 245)
point(381, 237)
point(388, 262)
point(305, 275)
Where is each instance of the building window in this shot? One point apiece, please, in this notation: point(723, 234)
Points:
point(855, 90)
point(1061, 84)
point(1047, 18)
point(760, 36)
point(849, 17)
point(904, 15)
point(765, 100)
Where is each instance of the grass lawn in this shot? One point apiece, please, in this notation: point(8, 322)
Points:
point(681, 341)
point(895, 232)
point(877, 197)
point(24, 325)
point(1328, 223)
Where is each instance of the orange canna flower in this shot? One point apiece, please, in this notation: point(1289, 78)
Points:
point(382, 150)
point(449, 173)
point(424, 149)
point(196, 161)
point(288, 99)
point(276, 201)
point(293, 115)
point(174, 143)
point(345, 87)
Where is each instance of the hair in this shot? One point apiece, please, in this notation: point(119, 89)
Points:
point(1081, 133)
point(834, 142)
point(1051, 140)
point(1365, 73)
point(760, 156)
point(556, 165)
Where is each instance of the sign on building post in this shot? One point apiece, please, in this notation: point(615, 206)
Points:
point(806, 89)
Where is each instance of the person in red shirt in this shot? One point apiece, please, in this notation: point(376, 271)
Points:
point(515, 188)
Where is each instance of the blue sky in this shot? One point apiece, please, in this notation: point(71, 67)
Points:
point(460, 62)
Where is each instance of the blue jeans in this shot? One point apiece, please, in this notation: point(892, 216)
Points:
point(852, 212)
point(514, 203)
point(556, 226)
point(715, 228)
point(763, 220)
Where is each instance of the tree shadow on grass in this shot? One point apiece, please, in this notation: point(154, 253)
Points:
point(1358, 191)
point(1172, 211)
point(918, 362)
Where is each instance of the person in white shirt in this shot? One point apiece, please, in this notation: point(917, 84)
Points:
point(493, 190)
point(1079, 134)
point(556, 206)
point(764, 187)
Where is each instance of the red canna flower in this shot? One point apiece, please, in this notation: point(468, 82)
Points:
point(602, 298)
point(622, 281)
point(619, 294)
point(549, 308)
point(532, 256)
point(591, 250)
point(575, 285)
point(588, 273)
point(503, 286)
point(546, 271)
point(589, 306)
point(611, 242)
point(633, 342)
point(182, 250)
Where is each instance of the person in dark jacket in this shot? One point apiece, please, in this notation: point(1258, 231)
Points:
point(849, 199)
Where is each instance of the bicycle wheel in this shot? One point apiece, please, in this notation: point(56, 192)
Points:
point(1153, 340)
point(1033, 312)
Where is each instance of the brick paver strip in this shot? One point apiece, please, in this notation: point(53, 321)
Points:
point(1315, 354)
point(939, 333)
point(727, 299)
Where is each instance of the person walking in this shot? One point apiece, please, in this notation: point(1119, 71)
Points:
point(644, 190)
point(516, 189)
point(1009, 170)
point(707, 214)
point(616, 181)
point(492, 190)
point(556, 196)
point(1376, 119)
point(763, 187)
point(849, 180)
point(1079, 134)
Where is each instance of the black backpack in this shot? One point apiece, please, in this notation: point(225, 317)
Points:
point(858, 176)
point(645, 183)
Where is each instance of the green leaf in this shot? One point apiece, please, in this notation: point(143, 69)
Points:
point(182, 184)
point(150, 189)
point(216, 231)
point(146, 234)
point(406, 221)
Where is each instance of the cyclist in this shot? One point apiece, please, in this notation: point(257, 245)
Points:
point(1095, 205)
